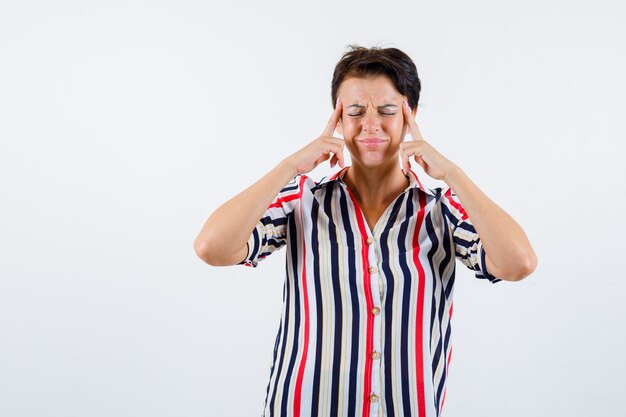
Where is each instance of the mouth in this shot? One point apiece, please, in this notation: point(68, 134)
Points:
point(372, 141)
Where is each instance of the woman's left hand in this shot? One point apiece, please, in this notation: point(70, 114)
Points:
point(433, 163)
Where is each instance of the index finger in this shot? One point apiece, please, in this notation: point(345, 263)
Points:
point(334, 119)
point(410, 120)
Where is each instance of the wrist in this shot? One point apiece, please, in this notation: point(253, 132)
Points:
point(288, 166)
point(452, 174)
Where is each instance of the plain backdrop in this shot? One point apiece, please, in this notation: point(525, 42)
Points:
point(123, 125)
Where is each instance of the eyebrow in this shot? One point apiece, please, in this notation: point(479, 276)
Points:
point(360, 106)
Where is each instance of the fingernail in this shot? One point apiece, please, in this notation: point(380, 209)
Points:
point(338, 99)
point(406, 104)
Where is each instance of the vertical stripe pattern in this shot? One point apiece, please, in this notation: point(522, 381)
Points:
point(365, 327)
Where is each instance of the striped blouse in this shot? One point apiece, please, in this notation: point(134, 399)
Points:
point(365, 323)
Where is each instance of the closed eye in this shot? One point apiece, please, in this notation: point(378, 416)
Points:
point(383, 113)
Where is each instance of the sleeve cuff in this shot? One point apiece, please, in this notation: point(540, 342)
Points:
point(483, 265)
point(254, 246)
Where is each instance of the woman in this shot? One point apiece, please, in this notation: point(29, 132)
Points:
point(365, 326)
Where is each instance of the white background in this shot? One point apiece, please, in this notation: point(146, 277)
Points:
point(123, 125)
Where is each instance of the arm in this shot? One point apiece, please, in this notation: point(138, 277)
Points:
point(509, 254)
point(225, 234)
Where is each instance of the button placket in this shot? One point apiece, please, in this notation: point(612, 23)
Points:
point(376, 285)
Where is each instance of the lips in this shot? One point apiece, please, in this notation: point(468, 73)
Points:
point(371, 141)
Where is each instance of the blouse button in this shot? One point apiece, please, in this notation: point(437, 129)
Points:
point(376, 311)
point(370, 240)
point(372, 269)
point(373, 398)
point(375, 355)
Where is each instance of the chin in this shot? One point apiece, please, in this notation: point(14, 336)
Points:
point(372, 161)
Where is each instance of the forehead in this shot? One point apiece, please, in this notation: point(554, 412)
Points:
point(378, 88)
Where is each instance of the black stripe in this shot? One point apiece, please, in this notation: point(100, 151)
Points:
point(293, 184)
point(286, 302)
point(442, 381)
point(277, 243)
point(438, 301)
point(468, 244)
point(485, 272)
point(354, 300)
point(334, 263)
point(447, 213)
point(280, 221)
point(257, 245)
point(449, 249)
point(315, 395)
point(276, 343)
point(293, 237)
point(466, 225)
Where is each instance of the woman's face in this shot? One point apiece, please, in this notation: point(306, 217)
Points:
point(372, 123)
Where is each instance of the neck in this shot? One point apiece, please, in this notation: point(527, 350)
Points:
point(375, 187)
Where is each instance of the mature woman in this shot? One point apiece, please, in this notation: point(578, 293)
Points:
point(365, 326)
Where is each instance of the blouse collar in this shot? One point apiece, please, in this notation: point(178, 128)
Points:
point(414, 181)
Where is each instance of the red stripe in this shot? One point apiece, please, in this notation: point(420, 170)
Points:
point(279, 201)
point(336, 174)
point(456, 205)
point(419, 349)
point(369, 301)
point(298, 392)
point(417, 179)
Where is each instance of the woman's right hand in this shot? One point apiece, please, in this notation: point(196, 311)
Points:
point(320, 149)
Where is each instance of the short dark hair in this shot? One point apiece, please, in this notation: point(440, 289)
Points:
point(364, 62)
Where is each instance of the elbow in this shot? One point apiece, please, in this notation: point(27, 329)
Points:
point(212, 252)
point(526, 266)
point(202, 248)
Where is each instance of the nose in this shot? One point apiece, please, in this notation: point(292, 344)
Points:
point(371, 121)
